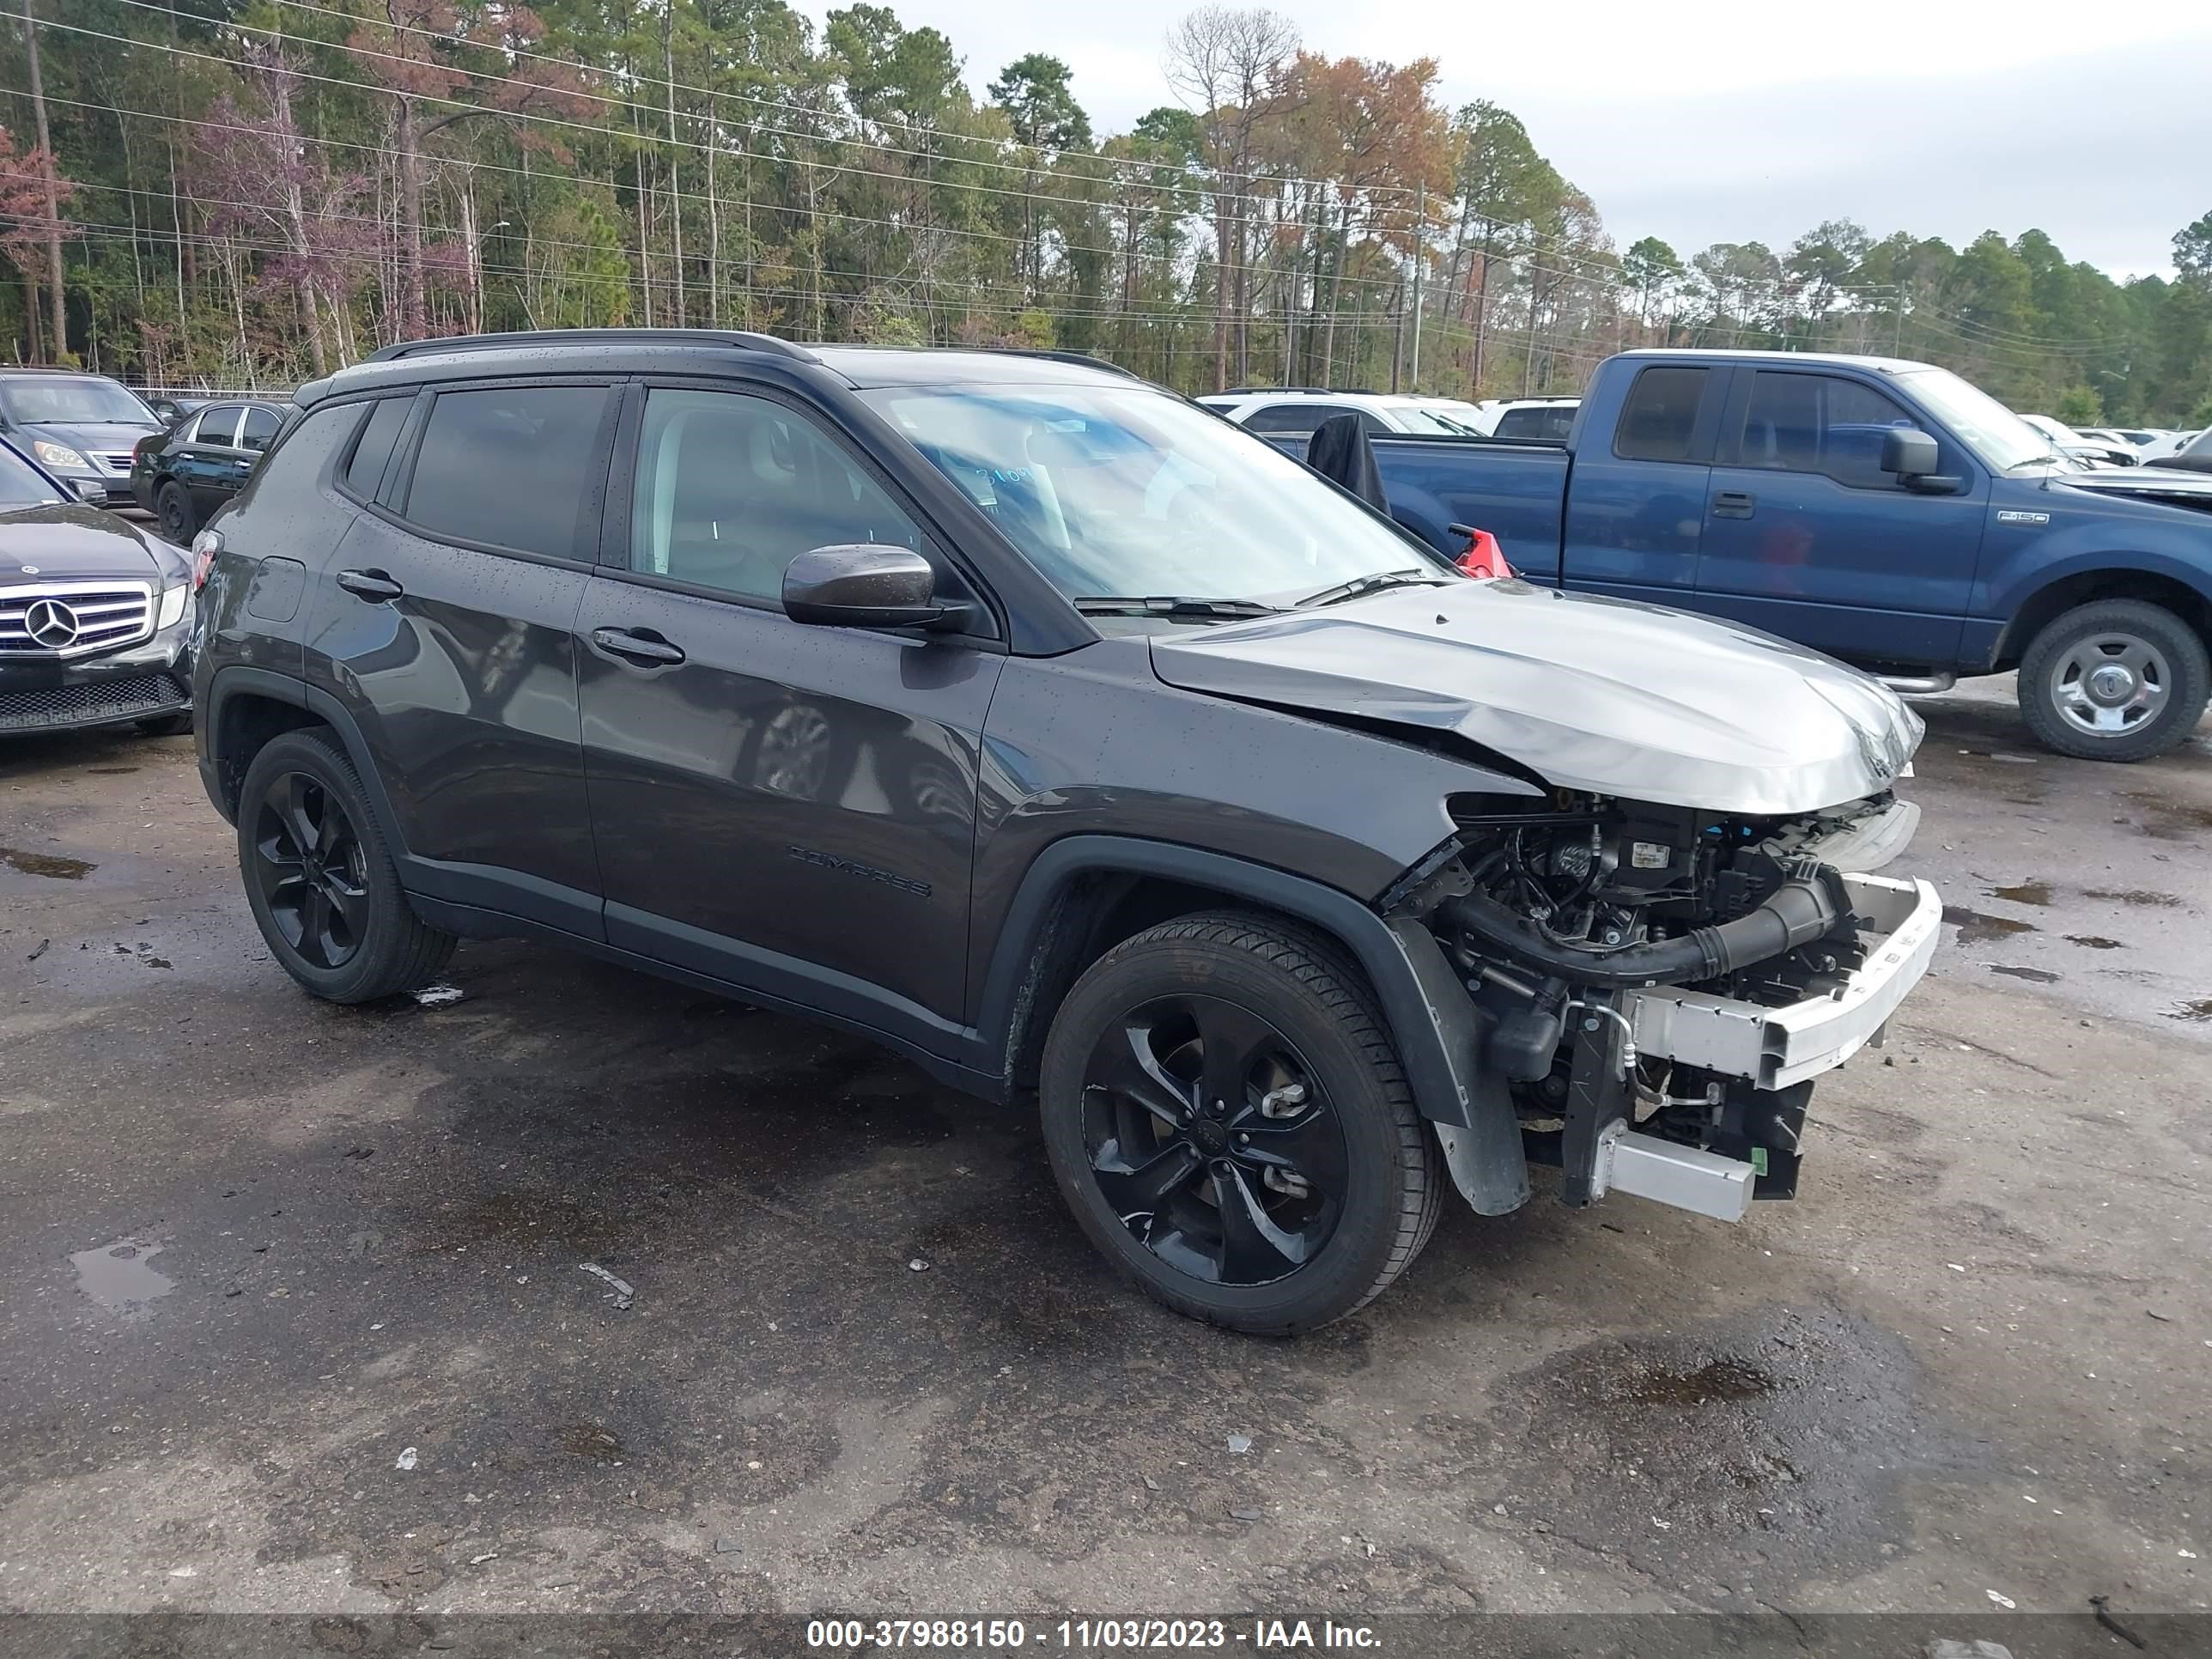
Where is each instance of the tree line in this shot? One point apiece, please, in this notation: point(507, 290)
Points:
point(249, 192)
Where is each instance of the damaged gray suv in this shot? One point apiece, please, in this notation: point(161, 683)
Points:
point(1079, 747)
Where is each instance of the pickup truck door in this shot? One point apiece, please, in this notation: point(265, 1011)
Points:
point(1635, 504)
point(1806, 536)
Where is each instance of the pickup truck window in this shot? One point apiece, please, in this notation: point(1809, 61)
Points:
point(1818, 423)
point(1660, 415)
point(1993, 432)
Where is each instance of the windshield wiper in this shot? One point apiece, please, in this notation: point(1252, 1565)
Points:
point(1172, 606)
point(1373, 584)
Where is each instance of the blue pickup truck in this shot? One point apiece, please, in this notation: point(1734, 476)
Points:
point(1886, 512)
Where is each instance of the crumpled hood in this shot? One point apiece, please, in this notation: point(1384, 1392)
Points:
point(1609, 696)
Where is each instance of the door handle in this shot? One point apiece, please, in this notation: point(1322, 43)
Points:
point(638, 647)
point(1734, 504)
point(374, 586)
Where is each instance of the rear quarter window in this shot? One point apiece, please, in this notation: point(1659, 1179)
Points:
point(288, 475)
point(1659, 418)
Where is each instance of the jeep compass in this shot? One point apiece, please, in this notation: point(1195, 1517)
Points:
point(1076, 745)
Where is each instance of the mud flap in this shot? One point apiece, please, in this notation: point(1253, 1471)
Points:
point(1485, 1157)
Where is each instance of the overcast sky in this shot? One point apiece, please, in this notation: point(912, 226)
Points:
point(1741, 122)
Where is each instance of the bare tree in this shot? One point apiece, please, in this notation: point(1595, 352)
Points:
point(1228, 64)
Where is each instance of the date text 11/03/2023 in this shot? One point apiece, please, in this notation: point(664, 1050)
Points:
point(1001, 1636)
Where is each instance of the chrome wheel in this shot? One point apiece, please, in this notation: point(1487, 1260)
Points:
point(2110, 683)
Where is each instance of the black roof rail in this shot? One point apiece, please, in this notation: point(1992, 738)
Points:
point(741, 338)
point(1083, 358)
point(1262, 390)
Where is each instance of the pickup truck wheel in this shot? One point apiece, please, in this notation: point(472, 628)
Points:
point(2117, 680)
point(1226, 1116)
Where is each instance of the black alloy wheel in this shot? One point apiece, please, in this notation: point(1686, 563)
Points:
point(1213, 1141)
point(311, 870)
point(1226, 1116)
point(323, 888)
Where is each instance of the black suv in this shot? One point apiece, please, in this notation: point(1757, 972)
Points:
point(1074, 744)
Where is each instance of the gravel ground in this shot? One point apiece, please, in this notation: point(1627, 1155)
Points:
point(296, 1312)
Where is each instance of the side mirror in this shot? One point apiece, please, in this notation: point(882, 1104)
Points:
point(860, 585)
point(1908, 453)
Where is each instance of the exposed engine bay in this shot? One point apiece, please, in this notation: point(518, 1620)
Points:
point(1622, 957)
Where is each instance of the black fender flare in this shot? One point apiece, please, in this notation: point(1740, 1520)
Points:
point(234, 679)
point(1438, 1030)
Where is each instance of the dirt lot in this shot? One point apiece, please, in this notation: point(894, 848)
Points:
point(292, 1313)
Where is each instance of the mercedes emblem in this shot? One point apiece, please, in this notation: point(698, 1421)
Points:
point(51, 624)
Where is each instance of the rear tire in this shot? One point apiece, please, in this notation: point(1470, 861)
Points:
point(1227, 1115)
point(2115, 680)
point(172, 509)
point(320, 880)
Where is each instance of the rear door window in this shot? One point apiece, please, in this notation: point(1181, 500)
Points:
point(1659, 420)
point(508, 467)
point(219, 425)
point(258, 429)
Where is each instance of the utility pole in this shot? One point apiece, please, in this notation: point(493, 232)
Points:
point(1421, 247)
point(60, 344)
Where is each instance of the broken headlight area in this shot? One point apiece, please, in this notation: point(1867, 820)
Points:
point(1658, 986)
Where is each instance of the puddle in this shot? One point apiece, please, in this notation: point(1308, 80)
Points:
point(2027, 892)
point(45, 864)
point(1975, 928)
point(109, 771)
point(2040, 975)
point(2200, 1009)
point(590, 1441)
point(1717, 1379)
point(2095, 941)
point(1737, 1446)
point(2139, 896)
point(2170, 820)
point(119, 1278)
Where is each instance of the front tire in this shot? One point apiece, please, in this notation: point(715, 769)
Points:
point(2116, 680)
point(320, 880)
point(179, 725)
point(1227, 1115)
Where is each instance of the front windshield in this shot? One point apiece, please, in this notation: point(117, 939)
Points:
point(1114, 491)
point(21, 484)
point(1993, 432)
point(34, 402)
